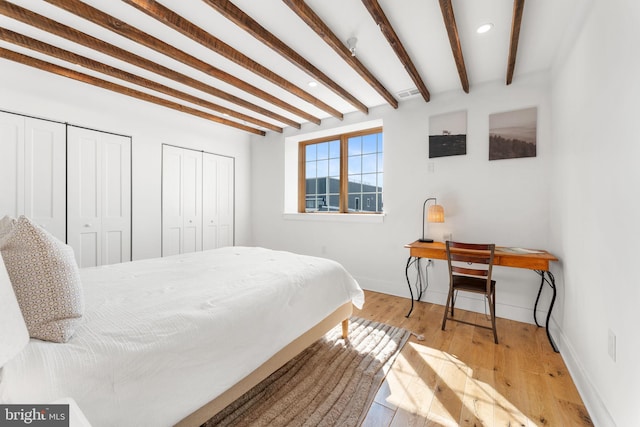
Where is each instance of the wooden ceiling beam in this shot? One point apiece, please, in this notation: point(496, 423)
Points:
point(111, 23)
point(94, 81)
point(385, 26)
point(516, 22)
point(189, 29)
point(244, 21)
point(317, 24)
point(452, 30)
point(38, 21)
point(65, 55)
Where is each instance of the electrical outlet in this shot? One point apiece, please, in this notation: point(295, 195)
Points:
point(612, 345)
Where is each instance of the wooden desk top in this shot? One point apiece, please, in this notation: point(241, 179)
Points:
point(503, 256)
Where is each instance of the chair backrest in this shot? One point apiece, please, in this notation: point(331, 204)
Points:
point(471, 259)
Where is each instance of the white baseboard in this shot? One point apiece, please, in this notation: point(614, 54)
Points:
point(590, 396)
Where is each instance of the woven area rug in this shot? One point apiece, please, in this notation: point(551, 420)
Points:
point(331, 383)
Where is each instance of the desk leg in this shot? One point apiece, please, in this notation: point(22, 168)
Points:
point(406, 274)
point(552, 284)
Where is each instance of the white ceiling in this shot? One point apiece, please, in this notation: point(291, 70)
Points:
point(418, 23)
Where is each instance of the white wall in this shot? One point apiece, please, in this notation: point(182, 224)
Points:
point(32, 92)
point(595, 210)
point(505, 201)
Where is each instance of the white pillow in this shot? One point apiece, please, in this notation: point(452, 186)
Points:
point(13, 333)
point(46, 280)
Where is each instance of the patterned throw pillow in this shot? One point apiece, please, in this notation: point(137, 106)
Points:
point(6, 225)
point(46, 281)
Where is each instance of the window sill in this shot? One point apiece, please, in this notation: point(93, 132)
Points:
point(336, 217)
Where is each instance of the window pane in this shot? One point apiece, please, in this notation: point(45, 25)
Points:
point(334, 202)
point(380, 137)
point(355, 145)
point(311, 186)
point(310, 170)
point(322, 185)
point(369, 163)
point(379, 183)
point(355, 202)
point(334, 167)
point(323, 168)
point(370, 143)
point(334, 149)
point(322, 203)
point(369, 182)
point(310, 152)
point(323, 150)
point(355, 184)
point(369, 202)
point(334, 184)
point(355, 165)
point(380, 162)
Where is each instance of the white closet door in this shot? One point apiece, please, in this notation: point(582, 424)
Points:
point(192, 200)
point(226, 201)
point(218, 203)
point(11, 164)
point(116, 199)
point(172, 216)
point(210, 222)
point(99, 197)
point(181, 200)
point(32, 171)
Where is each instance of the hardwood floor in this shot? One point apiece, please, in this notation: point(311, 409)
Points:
point(460, 377)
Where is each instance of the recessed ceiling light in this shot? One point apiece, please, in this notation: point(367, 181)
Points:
point(312, 83)
point(484, 28)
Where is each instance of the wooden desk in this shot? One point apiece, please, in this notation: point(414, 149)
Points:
point(537, 261)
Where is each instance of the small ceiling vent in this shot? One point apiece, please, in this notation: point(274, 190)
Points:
point(408, 93)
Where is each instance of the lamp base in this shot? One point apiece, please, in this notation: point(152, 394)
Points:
point(425, 240)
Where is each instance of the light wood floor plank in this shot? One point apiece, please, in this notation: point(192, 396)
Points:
point(461, 377)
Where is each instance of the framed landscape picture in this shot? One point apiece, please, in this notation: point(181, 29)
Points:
point(513, 134)
point(448, 134)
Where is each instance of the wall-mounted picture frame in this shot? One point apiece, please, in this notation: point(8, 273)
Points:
point(513, 134)
point(448, 134)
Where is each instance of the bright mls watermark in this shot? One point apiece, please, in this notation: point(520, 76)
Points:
point(34, 415)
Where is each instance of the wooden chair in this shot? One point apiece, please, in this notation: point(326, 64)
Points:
point(470, 267)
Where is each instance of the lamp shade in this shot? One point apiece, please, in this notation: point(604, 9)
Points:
point(435, 213)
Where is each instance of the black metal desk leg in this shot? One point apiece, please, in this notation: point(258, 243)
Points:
point(535, 307)
point(552, 284)
point(406, 274)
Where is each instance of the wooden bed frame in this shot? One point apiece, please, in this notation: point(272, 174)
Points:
point(341, 314)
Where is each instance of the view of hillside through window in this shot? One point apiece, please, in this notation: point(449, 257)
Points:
point(364, 173)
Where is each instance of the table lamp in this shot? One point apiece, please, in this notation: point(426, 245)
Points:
point(435, 213)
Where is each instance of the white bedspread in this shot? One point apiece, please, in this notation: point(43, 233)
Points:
point(162, 337)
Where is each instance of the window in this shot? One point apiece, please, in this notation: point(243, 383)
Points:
point(341, 173)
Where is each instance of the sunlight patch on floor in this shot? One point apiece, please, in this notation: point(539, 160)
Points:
point(416, 385)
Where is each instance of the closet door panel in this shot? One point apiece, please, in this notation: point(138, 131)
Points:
point(116, 199)
point(172, 213)
point(84, 202)
point(192, 201)
point(45, 175)
point(11, 164)
point(209, 201)
point(226, 202)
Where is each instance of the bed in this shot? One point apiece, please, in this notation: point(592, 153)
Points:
point(173, 340)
